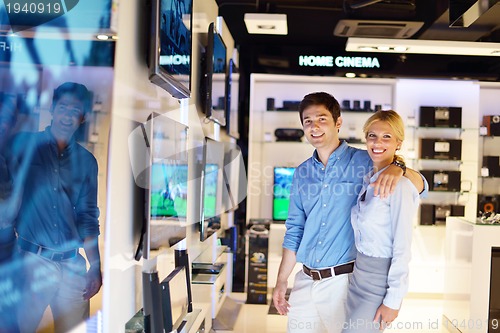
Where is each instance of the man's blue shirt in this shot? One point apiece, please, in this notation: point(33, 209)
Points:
point(59, 203)
point(318, 226)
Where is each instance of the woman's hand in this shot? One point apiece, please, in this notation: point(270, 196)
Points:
point(387, 181)
point(385, 316)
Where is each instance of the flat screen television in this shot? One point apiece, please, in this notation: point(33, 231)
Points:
point(170, 46)
point(167, 183)
point(175, 299)
point(232, 100)
point(281, 192)
point(213, 80)
point(235, 177)
point(212, 189)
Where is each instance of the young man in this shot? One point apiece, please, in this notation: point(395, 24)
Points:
point(319, 233)
point(58, 215)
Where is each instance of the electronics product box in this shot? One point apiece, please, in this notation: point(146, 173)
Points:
point(492, 163)
point(436, 214)
point(258, 251)
point(441, 149)
point(492, 124)
point(439, 116)
point(444, 181)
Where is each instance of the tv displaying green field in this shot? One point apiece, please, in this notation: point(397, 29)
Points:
point(168, 190)
point(210, 190)
point(281, 192)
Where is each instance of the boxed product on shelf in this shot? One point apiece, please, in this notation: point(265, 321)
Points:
point(492, 124)
point(442, 180)
point(436, 214)
point(440, 116)
point(441, 149)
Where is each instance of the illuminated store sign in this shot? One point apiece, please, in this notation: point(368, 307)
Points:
point(340, 61)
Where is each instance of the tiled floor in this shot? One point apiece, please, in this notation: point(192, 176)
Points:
point(417, 315)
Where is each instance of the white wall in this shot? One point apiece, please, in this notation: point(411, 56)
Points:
point(134, 98)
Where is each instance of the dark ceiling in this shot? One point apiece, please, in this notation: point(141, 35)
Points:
point(311, 24)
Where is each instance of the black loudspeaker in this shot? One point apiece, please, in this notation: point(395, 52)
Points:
point(436, 214)
point(367, 106)
point(492, 124)
point(291, 105)
point(436, 116)
point(441, 149)
point(270, 104)
point(289, 134)
point(492, 163)
point(356, 105)
point(346, 105)
point(487, 203)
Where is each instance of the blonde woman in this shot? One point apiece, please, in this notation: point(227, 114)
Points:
point(382, 232)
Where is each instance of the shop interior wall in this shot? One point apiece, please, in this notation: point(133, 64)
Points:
point(134, 98)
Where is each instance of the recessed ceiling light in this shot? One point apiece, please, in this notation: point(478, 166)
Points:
point(271, 24)
point(366, 48)
point(350, 75)
point(102, 37)
point(383, 48)
point(400, 49)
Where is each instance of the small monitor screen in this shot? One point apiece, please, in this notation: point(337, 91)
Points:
point(169, 190)
point(175, 299)
point(281, 192)
point(175, 36)
point(210, 190)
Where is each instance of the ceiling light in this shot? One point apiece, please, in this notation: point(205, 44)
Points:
point(350, 75)
point(422, 46)
point(271, 24)
point(102, 37)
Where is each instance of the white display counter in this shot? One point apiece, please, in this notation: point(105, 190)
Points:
point(468, 254)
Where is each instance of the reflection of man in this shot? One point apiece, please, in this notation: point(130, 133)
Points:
point(58, 215)
point(8, 209)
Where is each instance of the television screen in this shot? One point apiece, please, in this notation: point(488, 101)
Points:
point(175, 299)
point(213, 94)
point(170, 47)
point(281, 192)
point(169, 189)
point(167, 182)
point(212, 189)
point(232, 100)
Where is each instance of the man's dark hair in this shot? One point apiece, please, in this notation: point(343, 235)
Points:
point(320, 98)
point(76, 89)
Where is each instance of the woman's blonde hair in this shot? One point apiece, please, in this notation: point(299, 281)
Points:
point(392, 118)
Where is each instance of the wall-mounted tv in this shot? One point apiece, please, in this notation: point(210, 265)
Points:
point(212, 189)
point(232, 100)
point(281, 192)
point(167, 183)
point(170, 46)
point(214, 77)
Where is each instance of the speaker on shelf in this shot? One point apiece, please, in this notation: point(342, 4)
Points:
point(441, 149)
point(270, 106)
point(487, 203)
point(289, 134)
point(492, 124)
point(356, 105)
point(367, 106)
point(346, 105)
point(443, 181)
point(492, 163)
point(439, 116)
point(436, 214)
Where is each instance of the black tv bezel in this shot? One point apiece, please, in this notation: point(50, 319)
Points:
point(274, 183)
point(207, 85)
point(230, 113)
point(204, 221)
point(157, 74)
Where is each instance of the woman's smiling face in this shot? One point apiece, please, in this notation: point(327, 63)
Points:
point(381, 143)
